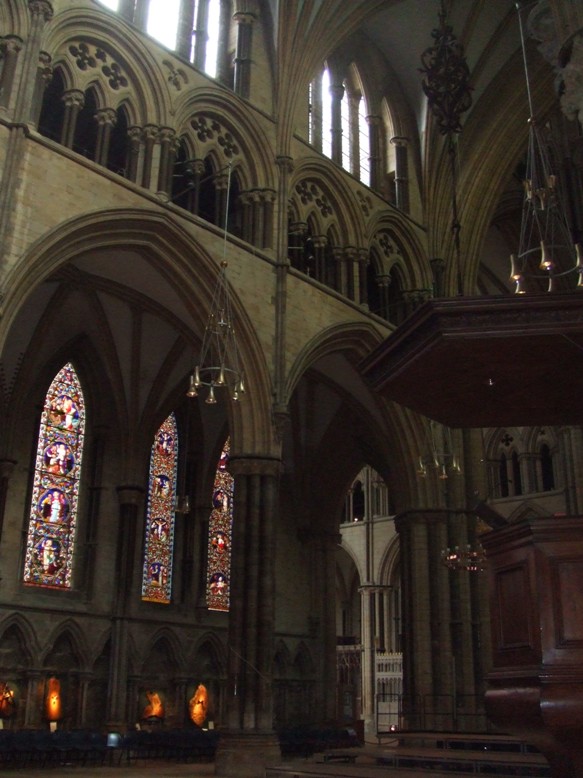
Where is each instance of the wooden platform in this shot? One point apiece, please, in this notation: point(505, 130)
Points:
point(367, 761)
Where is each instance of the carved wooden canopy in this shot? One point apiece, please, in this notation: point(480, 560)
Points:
point(487, 362)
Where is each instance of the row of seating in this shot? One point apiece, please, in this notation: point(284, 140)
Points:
point(181, 745)
point(41, 748)
point(305, 741)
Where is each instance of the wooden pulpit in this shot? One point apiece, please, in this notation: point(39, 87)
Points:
point(535, 575)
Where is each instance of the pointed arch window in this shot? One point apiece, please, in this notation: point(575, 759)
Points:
point(53, 512)
point(348, 124)
point(547, 469)
point(159, 540)
point(220, 535)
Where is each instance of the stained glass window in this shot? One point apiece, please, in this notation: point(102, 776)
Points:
point(53, 513)
point(220, 533)
point(159, 542)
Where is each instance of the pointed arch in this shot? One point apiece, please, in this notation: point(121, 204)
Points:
point(19, 643)
point(54, 505)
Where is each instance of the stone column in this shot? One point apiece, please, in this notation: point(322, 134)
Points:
point(401, 173)
point(166, 137)
point(149, 136)
point(321, 547)
point(185, 34)
point(33, 704)
point(74, 101)
point(361, 293)
point(44, 75)
point(41, 12)
point(258, 216)
point(422, 629)
point(319, 273)
point(130, 499)
point(337, 93)
point(6, 470)
point(316, 114)
point(350, 257)
point(285, 168)
point(269, 198)
point(84, 680)
point(438, 271)
point(106, 120)
point(249, 742)
point(296, 237)
point(126, 10)
point(224, 63)
point(368, 666)
point(133, 159)
point(383, 283)
point(375, 159)
point(180, 702)
point(197, 174)
point(243, 53)
point(141, 14)
point(201, 34)
point(355, 150)
point(11, 46)
point(247, 216)
point(221, 204)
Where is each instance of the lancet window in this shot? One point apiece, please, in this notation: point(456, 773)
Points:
point(159, 533)
point(197, 30)
point(338, 124)
point(220, 535)
point(53, 512)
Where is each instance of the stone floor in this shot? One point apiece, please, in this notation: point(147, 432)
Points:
point(172, 770)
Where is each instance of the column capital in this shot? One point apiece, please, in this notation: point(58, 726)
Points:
point(74, 97)
point(106, 116)
point(399, 140)
point(11, 43)
point(244, 17)
point(166, 134)
point(41, 8)
point(150, 132)
point(7, 467)
point(285, 164)
point(135, 133)
point(129, 494)
point(254, 465)
point(374, 120)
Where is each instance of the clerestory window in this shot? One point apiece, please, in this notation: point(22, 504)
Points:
point(192, 28)
point(338, 125)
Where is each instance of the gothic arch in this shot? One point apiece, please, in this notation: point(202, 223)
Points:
point(253, 152)
point(144, 80)
point(282, 659)
point(69, 635)
point(209, 645)
point(386, 228)
point(321, 188)
point(25, 638)
point(163, 644)
point(354, 341)
point(390, 562)
point(168, 248)
point(303, 662)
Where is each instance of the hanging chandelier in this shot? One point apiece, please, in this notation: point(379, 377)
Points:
point(219, 368)
point(440, 455)
point(547, 255)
